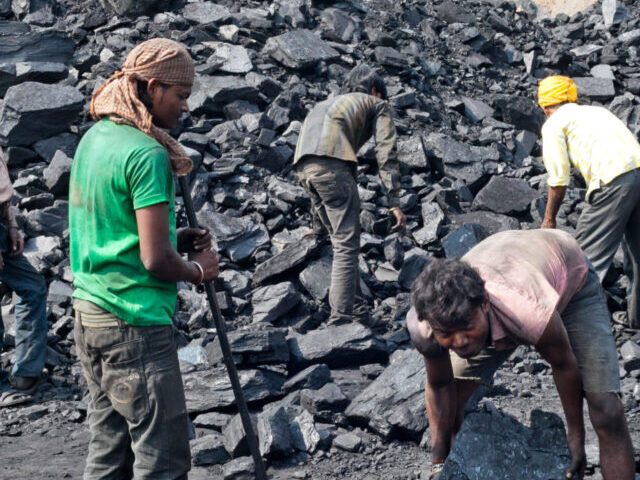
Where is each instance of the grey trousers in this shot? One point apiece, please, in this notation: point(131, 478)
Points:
point(611, 216)
point(137, 414)
point(332, 186)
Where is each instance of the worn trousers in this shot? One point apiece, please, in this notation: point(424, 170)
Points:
point(31, 311)
point(137, 413)
point(612, 216)
point(332, 186)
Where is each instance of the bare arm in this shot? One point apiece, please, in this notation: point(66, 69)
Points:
point(556, 195)
point(156, 252)
point(440, 396)
point(555, 348)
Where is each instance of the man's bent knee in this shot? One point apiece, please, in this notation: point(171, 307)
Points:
point(606, 411)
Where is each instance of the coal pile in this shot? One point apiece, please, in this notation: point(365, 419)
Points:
point(461, 77)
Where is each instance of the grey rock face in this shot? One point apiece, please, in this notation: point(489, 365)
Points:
point(211, 389)
point(295, 255)
point(505, 195)
point(316, 279)
point(234, 438)
point(299, 49)
point(35, 110)
point(273, 433)
point(350, 344)
point(22, 45)
point(313, 378)
point(211, 93)
point(348, 441)
point(415, 260)
point(208, 450)
point(630, 352)
point(273, 301)
point(239, 237)
point(205, 12)
point(135, 8)
point(462, 239)
point(239, 469)
point(489, 221)
point(595, 88)
point(339, 26)
point(252, 347)
point(304, 435)
point(329, 398)
point(57, 174)
point(537, 452)
point(394, 402)
point(476, 110)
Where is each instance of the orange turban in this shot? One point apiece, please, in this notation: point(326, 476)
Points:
point(160, 58)
point(556, 89)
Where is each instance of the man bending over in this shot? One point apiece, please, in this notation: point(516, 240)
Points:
point(521, 288)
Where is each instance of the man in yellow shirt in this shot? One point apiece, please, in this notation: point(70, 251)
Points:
point(607, 155)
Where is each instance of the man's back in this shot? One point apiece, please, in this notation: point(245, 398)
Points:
point(593, 139)
point(339, 126)
point(118, 169)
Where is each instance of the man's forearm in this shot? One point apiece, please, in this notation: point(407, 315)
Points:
point(556, 195)
point(169, 266)
point(441, 412)
point(569, 384)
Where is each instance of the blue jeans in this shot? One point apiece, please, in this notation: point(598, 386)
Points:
point(31, 311)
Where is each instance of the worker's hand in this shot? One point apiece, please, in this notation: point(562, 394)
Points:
point(578, 456)
point(401, 220)
point(193, 240)
point(548, 223)
point(208, 260)
point(436, 470)
point(16, 242)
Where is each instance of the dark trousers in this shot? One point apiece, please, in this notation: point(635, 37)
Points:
point(332, 186)
point(137, 414)
point(31, 311)
point(611, 216)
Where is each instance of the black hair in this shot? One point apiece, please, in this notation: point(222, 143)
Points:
point(447, 293)
point(143, 95)
point(363, 78)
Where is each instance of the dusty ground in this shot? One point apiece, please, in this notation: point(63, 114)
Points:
point(46, 441)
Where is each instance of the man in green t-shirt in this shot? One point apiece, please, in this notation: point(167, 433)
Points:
point(125, 261)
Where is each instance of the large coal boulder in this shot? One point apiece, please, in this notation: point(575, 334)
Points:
point(20, 44)
point(491, 444)
point(211, 389)
point(299, 49)
point(505, 195)
point(393, 405)
point(135, 8)
point(33, 111)
point(344, 345)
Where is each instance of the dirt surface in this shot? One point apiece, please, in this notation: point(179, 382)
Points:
point(48, 440)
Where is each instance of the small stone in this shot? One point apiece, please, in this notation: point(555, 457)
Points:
point(348, 442)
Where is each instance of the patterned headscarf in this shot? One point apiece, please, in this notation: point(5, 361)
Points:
point(160, 58)
point(556, 89)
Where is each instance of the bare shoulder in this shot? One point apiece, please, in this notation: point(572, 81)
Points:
point(422, 336)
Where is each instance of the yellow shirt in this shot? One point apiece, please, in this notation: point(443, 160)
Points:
point(591, 138)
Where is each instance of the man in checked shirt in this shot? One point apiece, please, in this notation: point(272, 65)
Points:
point(326, 164)
point(607, 155)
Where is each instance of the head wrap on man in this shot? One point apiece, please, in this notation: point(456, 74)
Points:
point(556, 89)
point(160, 58)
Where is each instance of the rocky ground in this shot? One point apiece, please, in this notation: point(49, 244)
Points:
point(337, 402)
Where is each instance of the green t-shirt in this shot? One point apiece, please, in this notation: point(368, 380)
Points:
point(116, 170)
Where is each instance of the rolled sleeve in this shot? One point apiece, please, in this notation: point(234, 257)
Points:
point(386, 154)
point(555, 155)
